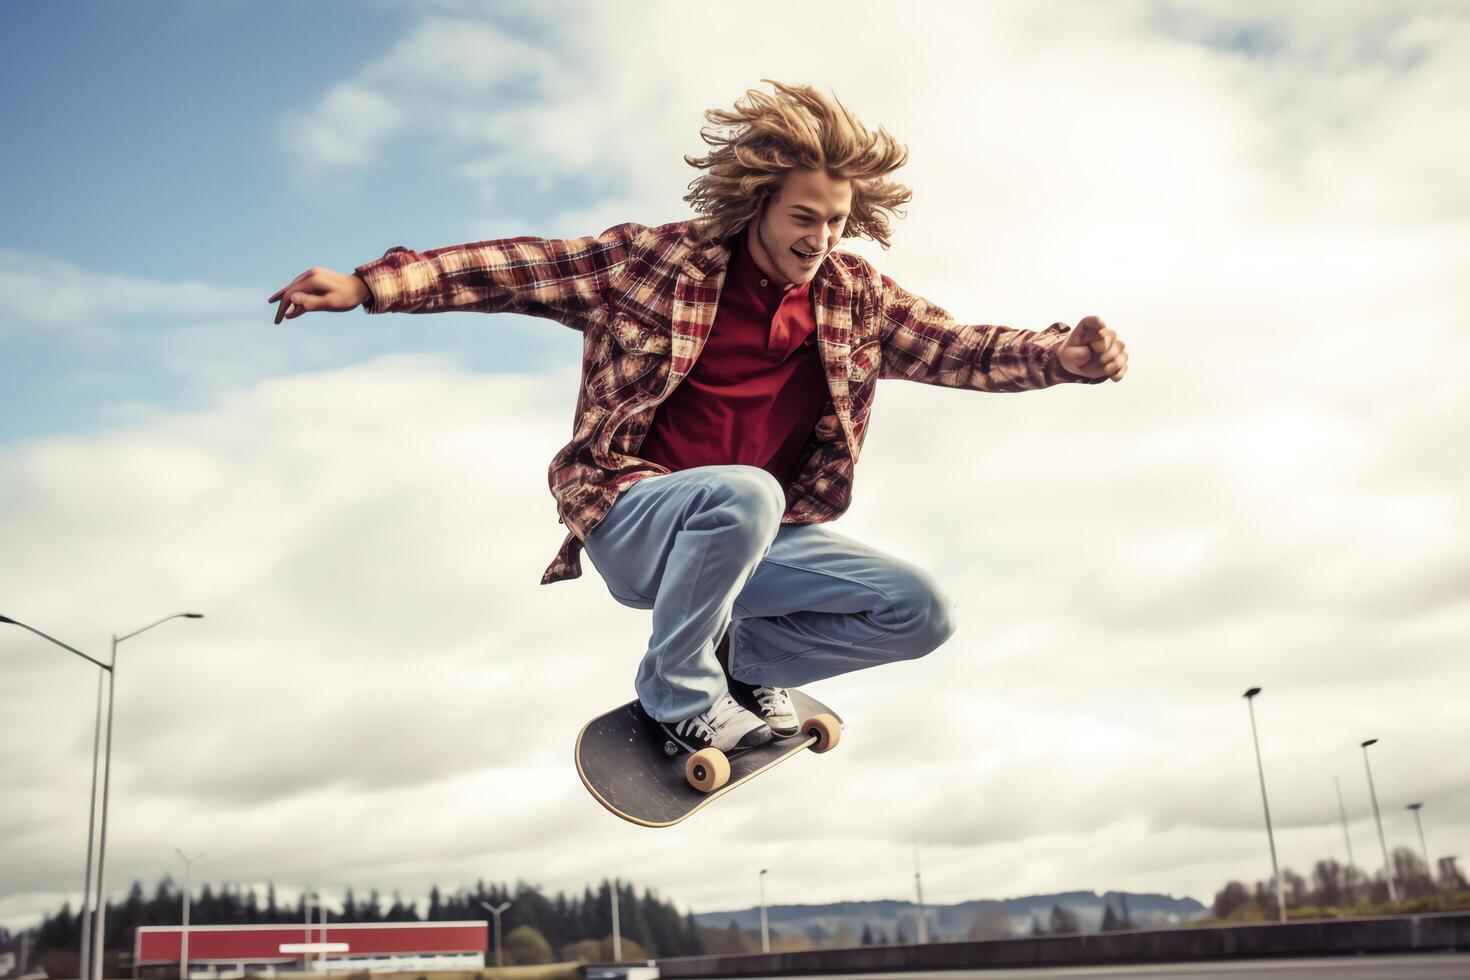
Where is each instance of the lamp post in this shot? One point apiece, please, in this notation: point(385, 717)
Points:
point(617, 929)
point(1393, 895)
point(1250, 696)
point(308, 897)
point(765, 925)
point(1416, 807)
point(921, 930)
point(1342, 812)
point(188, 898)
point(92, 804)
point(495, 911)
point(98, 940)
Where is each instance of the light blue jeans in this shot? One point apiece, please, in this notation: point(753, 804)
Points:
point(705, 549)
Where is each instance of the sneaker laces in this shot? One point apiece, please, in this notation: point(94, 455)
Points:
point(708, 722)
point(725, 710)
point(771, 698)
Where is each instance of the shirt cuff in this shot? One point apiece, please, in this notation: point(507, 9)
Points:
point(382, 280)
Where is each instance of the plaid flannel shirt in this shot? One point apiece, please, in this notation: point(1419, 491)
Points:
point(644, 301)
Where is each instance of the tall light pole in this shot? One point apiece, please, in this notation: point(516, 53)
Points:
point(617, 929)
point(309, 898)
point(92, 804)
point(1342, 812)
point(1393, 895)
point(188, 898)
point(921, 929)
point(1428, 869)
point(495, 911)
point(765, 925)
point(98, 941)
point(1347, 877)
point(1250, 696)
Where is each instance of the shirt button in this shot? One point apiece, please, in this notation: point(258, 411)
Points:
point(765, 282)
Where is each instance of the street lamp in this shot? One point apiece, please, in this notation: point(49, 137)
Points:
point(92, 805)
point(1416, 807)
point(1393, 895)
point(617, 930)
point(1351, 863)
point(101, 918)
point(309, 898)
point(921, 930)
point(188, 897)
point(495, 911)
point(1342, 812)
point(1250, 696)
point(765, 926)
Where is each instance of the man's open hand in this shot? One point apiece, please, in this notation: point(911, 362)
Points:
point(319, 289)
point(1094, 351)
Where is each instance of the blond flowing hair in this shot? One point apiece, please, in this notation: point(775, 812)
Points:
point(798, 127)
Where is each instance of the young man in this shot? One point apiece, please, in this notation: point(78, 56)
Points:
point(728, 372)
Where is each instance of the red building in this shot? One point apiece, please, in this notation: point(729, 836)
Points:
point(383, 946)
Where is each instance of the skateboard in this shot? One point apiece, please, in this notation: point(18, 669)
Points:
point(633, 769)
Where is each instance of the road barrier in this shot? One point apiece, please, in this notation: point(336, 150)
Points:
point(1427, 932)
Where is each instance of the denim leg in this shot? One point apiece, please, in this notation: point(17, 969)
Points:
point(822, 604)
point(684, 544)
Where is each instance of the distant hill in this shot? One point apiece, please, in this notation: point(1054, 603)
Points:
point(822, 923)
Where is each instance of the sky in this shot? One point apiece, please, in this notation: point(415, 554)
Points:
point(1267, 202)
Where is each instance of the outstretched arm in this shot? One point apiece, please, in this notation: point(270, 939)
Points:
point(923, 343)
point(561, 279)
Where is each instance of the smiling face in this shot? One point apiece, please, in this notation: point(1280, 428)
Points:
point(799, 224)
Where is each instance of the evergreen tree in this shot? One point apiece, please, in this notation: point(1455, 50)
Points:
point(693, 938)
point(1063, 921)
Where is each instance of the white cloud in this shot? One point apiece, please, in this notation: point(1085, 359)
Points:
point(54, 294)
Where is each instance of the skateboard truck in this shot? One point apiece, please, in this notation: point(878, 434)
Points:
point(709, 769)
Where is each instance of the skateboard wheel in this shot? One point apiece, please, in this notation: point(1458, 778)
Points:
point(707, 770)
point(826, 731)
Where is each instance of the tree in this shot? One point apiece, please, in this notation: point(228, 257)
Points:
point(1063, 921)
point(1329, 884)
point(1411, 874)
point(1295, 887)
point(992, 923)
point(525, 946)
point(1230, 898)
point(1450, 878)
point(1109, 920)
point(867, 937)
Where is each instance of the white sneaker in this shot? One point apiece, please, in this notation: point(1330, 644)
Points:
point(772, 705)
point(725, 726)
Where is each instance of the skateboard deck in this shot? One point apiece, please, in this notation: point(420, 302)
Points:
point(622, 760)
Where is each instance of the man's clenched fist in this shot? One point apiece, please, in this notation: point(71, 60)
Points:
point(1093, 350)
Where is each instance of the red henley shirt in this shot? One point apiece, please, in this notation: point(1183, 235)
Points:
point(758, 387)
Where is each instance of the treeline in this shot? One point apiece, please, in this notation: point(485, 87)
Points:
point(557, 923)
point(1335, 887)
